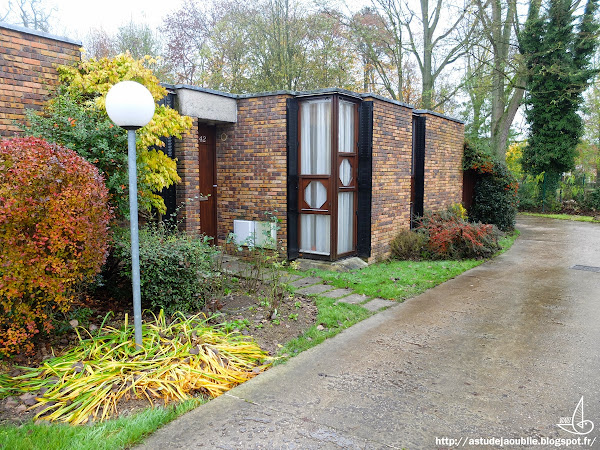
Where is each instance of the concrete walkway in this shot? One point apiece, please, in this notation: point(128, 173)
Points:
point(506, 350)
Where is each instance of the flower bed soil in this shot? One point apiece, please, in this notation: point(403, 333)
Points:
point(295, 314)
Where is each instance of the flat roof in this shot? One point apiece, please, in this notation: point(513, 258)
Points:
point(326, 91)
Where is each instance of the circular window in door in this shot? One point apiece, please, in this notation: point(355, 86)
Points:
point(345, 172)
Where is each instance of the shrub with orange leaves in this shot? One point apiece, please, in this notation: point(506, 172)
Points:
point(54, 234)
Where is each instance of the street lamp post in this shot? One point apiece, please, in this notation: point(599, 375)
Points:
point(131, 106)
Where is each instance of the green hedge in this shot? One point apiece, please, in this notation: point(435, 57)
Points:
point(495, 195)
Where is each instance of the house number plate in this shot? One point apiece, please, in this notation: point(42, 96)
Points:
point(202, 139)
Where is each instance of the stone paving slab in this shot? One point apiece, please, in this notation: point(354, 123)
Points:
point(286, 277)
point(378, 303)
point(337, 293)
point(354, 298)
point(235, 267)
point(315, 289)
point(303, 282)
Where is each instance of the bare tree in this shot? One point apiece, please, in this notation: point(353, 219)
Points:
point(99, 44)
point(29, 13)
point(378, 38)
point(440, 46)
point(498, 30)
point(186, 32)
point(279, 45)
point(137, 39)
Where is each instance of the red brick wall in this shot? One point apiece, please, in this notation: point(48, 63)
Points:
point(28, 63)
point(251, 168)
point(252, 165)
point(392, 161)
point(444, 139)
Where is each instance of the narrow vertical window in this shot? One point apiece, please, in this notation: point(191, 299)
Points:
point(315, 169)
point(346, 178)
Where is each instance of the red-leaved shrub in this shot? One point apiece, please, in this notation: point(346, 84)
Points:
point(54, 219)
point(452, 237)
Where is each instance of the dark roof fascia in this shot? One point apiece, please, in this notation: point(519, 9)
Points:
point(327, 91)
point(313, 93)
point(316, 92)
point(39, 33)
point(433, 113)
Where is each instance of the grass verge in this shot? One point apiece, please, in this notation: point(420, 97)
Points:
point(112, 434)
point(573, 217)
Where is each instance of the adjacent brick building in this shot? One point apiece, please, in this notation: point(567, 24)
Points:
point(443, 161)
point(28, 63)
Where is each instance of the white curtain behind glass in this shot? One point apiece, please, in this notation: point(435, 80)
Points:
point(346, 127)
point(315, 137)
point(315, 159)
point(315, 233)
point(346, 144)
point(345, 222)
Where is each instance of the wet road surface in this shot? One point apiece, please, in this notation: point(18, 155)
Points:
point(506, 350)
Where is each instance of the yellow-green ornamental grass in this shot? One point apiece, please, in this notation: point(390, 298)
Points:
point(179, 360)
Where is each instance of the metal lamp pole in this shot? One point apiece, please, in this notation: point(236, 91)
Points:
point(131, 106)
point(135, 240)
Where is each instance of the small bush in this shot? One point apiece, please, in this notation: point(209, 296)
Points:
point(408, 245)
point(174, 268)
point(592, 200)
point(451, 237)
point(53, 235)
point(495, 196)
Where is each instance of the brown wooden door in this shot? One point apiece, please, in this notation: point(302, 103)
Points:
point(207, 180)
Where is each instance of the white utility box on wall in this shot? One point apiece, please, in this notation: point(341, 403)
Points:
point(253, 233)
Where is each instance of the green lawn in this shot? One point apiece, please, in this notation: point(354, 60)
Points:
point(112, 434)
point(562, 217)
point(397, 280)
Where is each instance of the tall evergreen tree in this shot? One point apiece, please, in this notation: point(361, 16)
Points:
point(558, 50)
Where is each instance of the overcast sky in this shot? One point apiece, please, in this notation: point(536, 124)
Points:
point(77, 17)
point(74, 18)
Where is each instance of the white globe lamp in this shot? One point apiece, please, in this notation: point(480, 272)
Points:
point(129, 105)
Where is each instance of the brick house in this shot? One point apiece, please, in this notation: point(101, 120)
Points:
point(343, 172)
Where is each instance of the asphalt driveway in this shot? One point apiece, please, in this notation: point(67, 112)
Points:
point(507, 350)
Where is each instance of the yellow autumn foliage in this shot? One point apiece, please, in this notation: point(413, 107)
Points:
point(514, 154)
point(94, 78)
